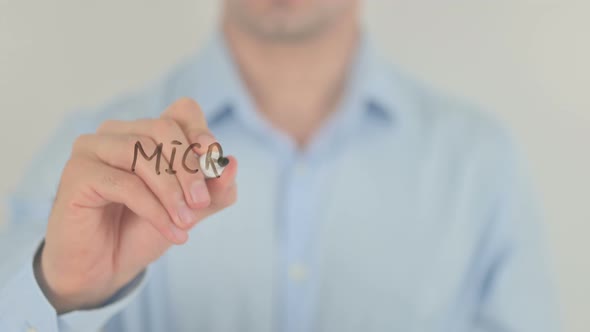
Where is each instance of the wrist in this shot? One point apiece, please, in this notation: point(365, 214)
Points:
point(72, 294)
point(62, 301)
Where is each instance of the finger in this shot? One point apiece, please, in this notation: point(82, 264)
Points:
point(118, 186)
point(129, 152)
point(223, 190)
point(219, 186)
point(189, 116)
point(187, 113)
point(184, 166)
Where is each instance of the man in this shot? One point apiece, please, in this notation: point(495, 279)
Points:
point(367, 202)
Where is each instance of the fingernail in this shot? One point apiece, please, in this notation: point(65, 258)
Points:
point(200, 193)
point(185, 214)
point(178, 233)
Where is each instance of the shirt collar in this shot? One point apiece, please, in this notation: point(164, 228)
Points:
point(370, 83)
point(212, 79)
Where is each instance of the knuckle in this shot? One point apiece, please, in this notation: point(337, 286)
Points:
point(105, 126)
point(162, 126)
point(75, 163)
point(200, 117)
point(75, 172)
point(142, 150)
point(146, 142)
point(80, 143)
point(184, 104)
point(121, 182)
point(111, 180)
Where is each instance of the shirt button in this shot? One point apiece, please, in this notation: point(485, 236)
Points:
point(297, 272)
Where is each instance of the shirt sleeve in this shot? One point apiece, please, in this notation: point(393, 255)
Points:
point(516, 291)
point(23, 306)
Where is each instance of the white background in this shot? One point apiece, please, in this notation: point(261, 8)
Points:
point(527, 60)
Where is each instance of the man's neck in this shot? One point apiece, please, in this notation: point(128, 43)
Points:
point(296, 84)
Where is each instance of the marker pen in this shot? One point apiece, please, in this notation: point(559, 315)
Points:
point(215, 167)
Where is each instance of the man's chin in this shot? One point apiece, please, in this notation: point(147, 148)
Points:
point(285, 29)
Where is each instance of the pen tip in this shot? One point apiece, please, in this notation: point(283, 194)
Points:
point(223, 161)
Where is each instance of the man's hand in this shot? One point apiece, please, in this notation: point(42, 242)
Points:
point(108, 223)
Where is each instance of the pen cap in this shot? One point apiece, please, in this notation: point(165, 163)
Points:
point(214, 169)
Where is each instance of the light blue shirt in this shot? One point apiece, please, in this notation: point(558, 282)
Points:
point(407, 212)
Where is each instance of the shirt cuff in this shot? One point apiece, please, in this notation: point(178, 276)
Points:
point(94, 319)
point(24, 307)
